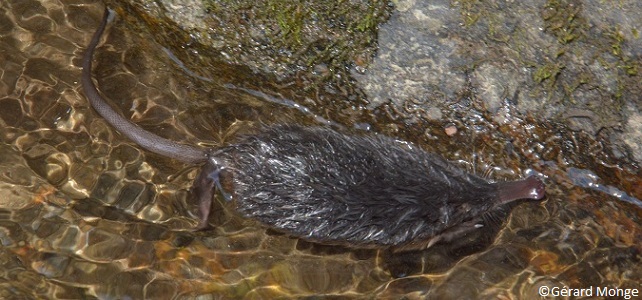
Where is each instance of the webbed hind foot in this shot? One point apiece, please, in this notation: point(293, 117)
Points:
point(207, 181)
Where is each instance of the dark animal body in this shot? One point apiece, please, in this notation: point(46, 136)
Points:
point(315, 183)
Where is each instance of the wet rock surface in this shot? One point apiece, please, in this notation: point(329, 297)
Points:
point(290, 37)
point(577, 63)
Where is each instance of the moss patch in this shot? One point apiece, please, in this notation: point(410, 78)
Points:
point(326, 35)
